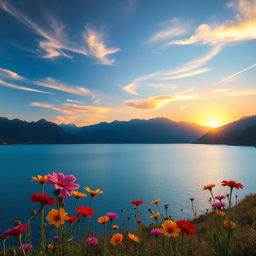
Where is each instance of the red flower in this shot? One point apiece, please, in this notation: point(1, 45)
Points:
point(186, 227)
point(43, 199)
point(209, 187)
point(72, 219)
point(85, 211)
point(232, 184)
point(137, 202)
point(16, 231)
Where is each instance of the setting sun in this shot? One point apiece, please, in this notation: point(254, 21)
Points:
point(213, 123)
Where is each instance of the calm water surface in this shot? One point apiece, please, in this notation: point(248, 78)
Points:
point(172, 172)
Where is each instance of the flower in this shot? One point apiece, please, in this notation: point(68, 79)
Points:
point(115, 227)
point(138, 221)
point(40, 178)
point(220, 213)
point(156, 231)
point(116, 239)
point(220, 197)
point(92, 240)
point(137, 202)
point(50, 246)
point(155, 201)
point(166, 206)
point(170, 228)
point(56, 238)
point(78, 194)
point(103, 219)
point(57, 217)
point(218, 205)
point(186, 227)
point(155, 216)
point(16, 231)
point(65, 184)
point(112, 215)
point(85, 211)
point(94, 192)
point(71, 219)
point(25, 247)
point(229, 224)
point(133, 237)
point(232, 184)
point(43, 199)
point(209, 187)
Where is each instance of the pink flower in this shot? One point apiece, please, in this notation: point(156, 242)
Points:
point(16, 231)
point(218, 205)
point(112, 215)
point(139, 221)
point(65, 184)
point(220, 197)
point(92, 241)
point(156, 232)
point(25, 247)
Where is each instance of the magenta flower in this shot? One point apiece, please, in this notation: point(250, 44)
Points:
point(139, 221)
point(220, 197)
point(218, 205)
point(16, 231)
point(25, 247)
point(56, 238)
point(156, 231)
point(65, 184)
point(112, 215)
point(92, 240)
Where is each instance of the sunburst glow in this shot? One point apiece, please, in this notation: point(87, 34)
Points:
point(213, 123)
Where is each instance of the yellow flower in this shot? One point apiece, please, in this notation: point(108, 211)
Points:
point(78, 194)
point(115, 227)
point(169, 228)
point(155, 201)
point(229, 224)
point(103, 219)
point(116, 239)
point(94, 192)
point(133, 237)
point(57, 217)
point(40, 178)
point(155, 216)
point(220, 213)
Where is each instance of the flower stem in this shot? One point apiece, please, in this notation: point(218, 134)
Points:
point(21, 246)
point(4, 250)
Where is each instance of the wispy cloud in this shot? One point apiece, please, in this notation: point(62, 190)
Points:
point(169, 29)
point(237, 92)
point(23, 88)
point(10, 74)
point(236, 74)
point(97, 48)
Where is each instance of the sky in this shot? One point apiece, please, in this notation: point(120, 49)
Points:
point(88, 61)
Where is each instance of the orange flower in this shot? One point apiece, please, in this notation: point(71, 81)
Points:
point(103, 219)
point(229, 224)
point(94, 192)
point(133, 237)
point(155, 216)
point(155, 201)
point(170, 228)
point(40, 178)
point(57, 217)
point(78, 194)
point(220, 213)
point(115, 227)
point(116, 239)
point(209, 187)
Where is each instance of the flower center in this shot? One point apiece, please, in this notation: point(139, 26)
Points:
point(57, 218)
point(61, 183)
point(170, 230)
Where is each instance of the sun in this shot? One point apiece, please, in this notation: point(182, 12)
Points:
point(213, 123)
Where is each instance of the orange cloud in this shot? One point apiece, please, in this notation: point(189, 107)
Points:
point(10, 74)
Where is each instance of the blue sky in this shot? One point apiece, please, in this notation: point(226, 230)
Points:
point(90, 61)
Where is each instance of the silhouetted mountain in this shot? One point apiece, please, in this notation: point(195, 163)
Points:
point(41, 132)
point(240, 132)
point(70, 128)
point(156, 130)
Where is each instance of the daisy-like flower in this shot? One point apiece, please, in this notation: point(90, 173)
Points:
point(209, 187)
point(137, 202)
point(103, 219)
point(85, 211)
point(115, 227)
point(133, 237)
point(220, 213)
point(16, 231)
point(78, 194)
point(155, 216)
point(40, 178)
point(156, 231)
point(112, 215)
point(220, 197)
point(218, 205)
point(186, 227)
point(232, 184)
point(57, 217)
point(116, 239)
point(170, 228)
point(92, 241)
point(71, 219)
point(43, 199)
point(155, 201)
point(229, 224)
point(94, 192)
point(65, 184)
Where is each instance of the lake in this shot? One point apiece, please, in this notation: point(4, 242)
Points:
point(126, 172)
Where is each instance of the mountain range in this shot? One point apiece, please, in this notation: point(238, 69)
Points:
point(155, 130)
